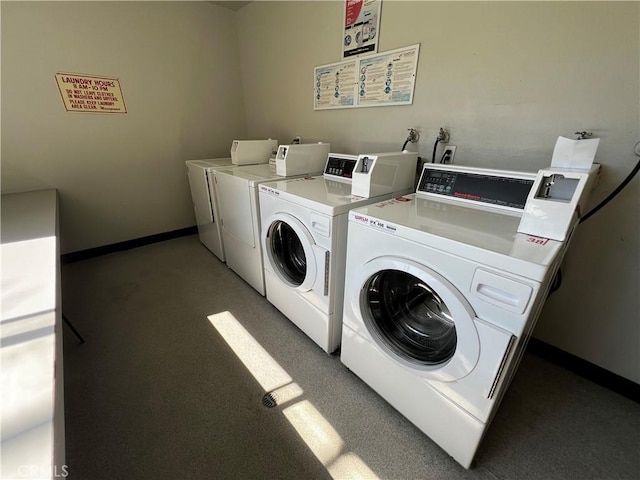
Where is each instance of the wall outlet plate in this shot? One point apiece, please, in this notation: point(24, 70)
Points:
point(448, 154)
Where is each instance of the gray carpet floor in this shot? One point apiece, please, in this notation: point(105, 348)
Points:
point(156, 392)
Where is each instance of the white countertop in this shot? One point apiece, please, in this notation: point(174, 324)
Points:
point(31, 380)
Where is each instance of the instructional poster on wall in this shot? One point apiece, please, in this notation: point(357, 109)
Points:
point(361, 27)
point(90, 94)
point(335, 85)
point(388, 78)
point(376, 80)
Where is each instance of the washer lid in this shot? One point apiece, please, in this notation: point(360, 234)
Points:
point(212, 162)
point(251, 173)
point(318, 193)
point(257, 174)
point(485, 235)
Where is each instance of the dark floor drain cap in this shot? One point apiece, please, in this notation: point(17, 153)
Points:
point(270, 400)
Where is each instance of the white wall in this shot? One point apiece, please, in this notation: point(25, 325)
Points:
point(119, 177)
point(506, 79)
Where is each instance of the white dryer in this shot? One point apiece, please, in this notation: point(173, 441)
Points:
point(441, 295)
point(237, 189)
point(205, 202)
point(304, 237)
point(204, 193)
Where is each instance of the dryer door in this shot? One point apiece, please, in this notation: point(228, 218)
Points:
point(417, 317)
point(288, 247)
point(199, 184)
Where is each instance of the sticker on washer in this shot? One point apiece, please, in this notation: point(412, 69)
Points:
point(269, 190)
point(375, 223)
point(537, 240)
point(393, 201)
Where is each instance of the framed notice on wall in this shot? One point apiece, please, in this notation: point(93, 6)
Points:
point(335, 85)
point(361, 27)
point(388, 78)
point(90, 93)
point(377, 80)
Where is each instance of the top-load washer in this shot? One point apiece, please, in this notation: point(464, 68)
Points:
point(304, 237)
point(442, 293)
point(204, 194)
point(237, 189)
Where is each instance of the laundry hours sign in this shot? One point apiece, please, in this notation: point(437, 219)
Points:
point(90, 94)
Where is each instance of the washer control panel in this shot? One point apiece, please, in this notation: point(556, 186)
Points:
point(494, 187)
point(340, 166)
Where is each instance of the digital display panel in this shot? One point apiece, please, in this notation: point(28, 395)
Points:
point(341, 167)
point(489, 189)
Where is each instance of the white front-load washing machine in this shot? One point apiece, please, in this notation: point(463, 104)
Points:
point(304, 236)
point(441, 294)
point(237, 189)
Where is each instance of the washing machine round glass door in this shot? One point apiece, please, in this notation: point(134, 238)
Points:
point(418, 318)
point(288, 246)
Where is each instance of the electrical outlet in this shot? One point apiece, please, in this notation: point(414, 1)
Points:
point(448, 154)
